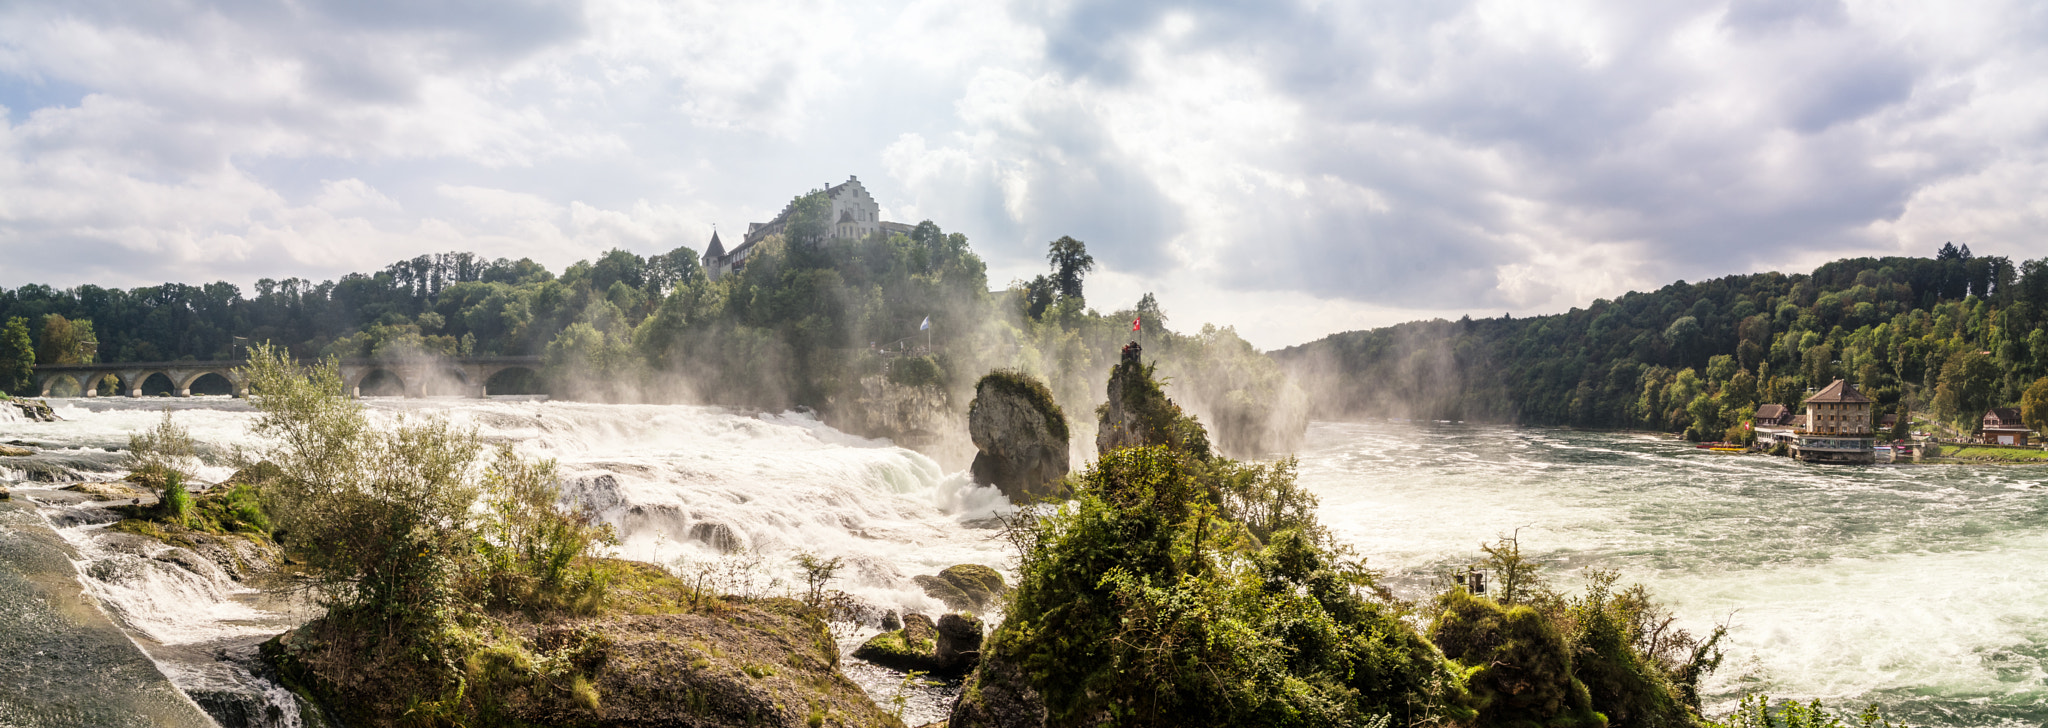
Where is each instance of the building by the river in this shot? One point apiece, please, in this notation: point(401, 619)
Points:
point(1837, 426)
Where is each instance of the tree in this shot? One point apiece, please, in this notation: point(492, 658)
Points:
point(17, 356)
point(1070, 261)
point(2034, 406)
point(1968, 386)
point(65, 341)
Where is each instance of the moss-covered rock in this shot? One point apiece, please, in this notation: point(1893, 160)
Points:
point(1020, 435)
point(966, 587)
point(950, 646)
point(649, 660)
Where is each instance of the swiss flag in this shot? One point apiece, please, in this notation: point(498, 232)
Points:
point(1134, 323)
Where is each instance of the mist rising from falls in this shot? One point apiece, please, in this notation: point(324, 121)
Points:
point(692, 483)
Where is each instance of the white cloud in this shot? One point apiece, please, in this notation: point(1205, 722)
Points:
point(1293, 168)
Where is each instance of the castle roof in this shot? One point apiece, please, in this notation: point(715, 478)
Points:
point(1839, 392)
point(846, 216)
point(715, 249)
point(1770, 413)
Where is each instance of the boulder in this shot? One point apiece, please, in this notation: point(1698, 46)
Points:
point(966, 587)
point(998, 695)
point(949, 647)
point(36, 410)
point(1020, 436)
point(10, 451)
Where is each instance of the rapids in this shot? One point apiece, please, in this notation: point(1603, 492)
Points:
point(1909, 586)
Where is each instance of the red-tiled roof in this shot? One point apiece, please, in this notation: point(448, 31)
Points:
point(1841, 391)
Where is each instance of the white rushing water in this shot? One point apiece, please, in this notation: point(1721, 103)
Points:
point(686, 487)
point(1912, 587)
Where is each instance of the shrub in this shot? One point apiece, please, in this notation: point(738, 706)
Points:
point(917, 371)
point(161, 450)
point(176, 504)
point(1521, 667)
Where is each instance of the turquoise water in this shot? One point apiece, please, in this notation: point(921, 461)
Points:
point(1919, 588)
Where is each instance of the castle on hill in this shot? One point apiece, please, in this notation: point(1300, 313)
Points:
point(854, 215)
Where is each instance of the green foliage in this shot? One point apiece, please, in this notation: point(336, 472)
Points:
point(1699, 357)
point(818, 575)
point(64, 341)
point(1966, 388)
point(528, 548)
point(1757, 712)
point(1145, 601)
point(1024, 386)
point(917, 371)
point(1521, 667)
point(2034, 406)
point(394, 525)
point(176, 505)
point(161, 451)
point(1619, 649)
point(17, 356)
point(1070, 262)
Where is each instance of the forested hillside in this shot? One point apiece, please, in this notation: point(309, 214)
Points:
point(1951, 335)
point(810, 321)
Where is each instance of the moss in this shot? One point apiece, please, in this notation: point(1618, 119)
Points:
point(1018, 384)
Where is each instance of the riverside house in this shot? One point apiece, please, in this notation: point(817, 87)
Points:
point(2001, 426)
point(1837, 426)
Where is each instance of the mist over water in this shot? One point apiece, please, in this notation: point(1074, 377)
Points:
point(1914, 587)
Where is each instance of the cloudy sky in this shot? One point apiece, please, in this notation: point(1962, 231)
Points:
point(1292, 169)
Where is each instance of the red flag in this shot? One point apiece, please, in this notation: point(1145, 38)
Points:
point(1134, 323)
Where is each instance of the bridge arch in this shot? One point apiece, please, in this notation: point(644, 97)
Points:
point(379, 382)
point(47, 383)
point(152, 383)
point(513, 379)
point(209, 381)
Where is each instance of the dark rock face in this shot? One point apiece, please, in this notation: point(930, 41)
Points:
point(952, 646)
point(1020, 436)
point(1118, 427)
point(36, 409)
point(998, 695)
point(966, 587)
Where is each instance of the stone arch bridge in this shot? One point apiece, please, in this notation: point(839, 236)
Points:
point(459, 376)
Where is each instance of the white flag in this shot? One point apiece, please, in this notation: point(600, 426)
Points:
point(926, 325)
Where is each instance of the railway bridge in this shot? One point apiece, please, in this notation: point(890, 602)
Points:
point(473, 376)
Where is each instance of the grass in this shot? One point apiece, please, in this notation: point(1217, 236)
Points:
point(2000, 454)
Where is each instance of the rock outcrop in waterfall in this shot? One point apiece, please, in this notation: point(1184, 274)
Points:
point(1021, 436)
point(1138, 412)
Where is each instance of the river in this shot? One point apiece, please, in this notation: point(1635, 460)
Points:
point(1907, 586)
